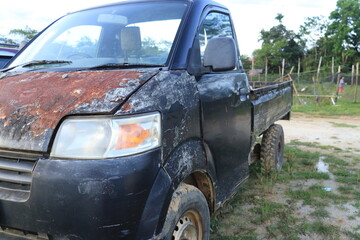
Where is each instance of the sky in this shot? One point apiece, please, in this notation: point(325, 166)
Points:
point(249, 16)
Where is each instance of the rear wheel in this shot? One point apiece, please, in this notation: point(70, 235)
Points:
point(272, 148)
point(188, 215)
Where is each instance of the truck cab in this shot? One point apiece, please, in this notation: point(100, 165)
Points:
point(133, 120)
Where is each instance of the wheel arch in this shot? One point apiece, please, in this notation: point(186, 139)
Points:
point(204, 183)
point(189, 164)
point(186, 164)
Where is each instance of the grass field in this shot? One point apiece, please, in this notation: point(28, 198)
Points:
point(323, 106)
point(298, 202)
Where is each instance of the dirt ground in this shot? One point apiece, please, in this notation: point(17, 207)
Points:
point(341, 132)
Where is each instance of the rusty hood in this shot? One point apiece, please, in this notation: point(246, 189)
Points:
point(33, 103)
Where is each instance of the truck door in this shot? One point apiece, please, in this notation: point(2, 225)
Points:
point(226, 111)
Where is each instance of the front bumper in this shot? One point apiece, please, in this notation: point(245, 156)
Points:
point(85, 199)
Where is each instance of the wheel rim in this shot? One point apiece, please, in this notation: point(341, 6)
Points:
point(189, 227)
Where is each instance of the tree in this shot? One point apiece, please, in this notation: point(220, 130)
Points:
point(313, 29)
point(278, 43)
point(246, 61)
point(313, 34)
point(6, 40)
point(344, 31)
point(27, 34)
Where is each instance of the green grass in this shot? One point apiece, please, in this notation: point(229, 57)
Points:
point(346, 109)
point(324, 229)
point(354, 179)
point(320, 213)
point(335, 162)
point(311, 175)
point(266, 210)
point(346, 189)
point(291, 152)
point(357, 196)
point(355, 236)
point(315, 196)
point(343, 125)
point(342, 173)
point(345, 105)
point(314, 145)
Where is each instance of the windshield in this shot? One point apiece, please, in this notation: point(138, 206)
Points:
point(139, 33)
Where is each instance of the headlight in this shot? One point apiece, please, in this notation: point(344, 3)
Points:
point(101, 137)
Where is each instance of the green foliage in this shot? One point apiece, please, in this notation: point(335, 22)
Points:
point(151, 48)
point(27, 34)
point(277, 44)
point(6, 40)
point(246, 61)
point(344, 31)
point(335, 36)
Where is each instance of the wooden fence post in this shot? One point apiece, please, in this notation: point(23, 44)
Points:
point(318, 70)
point(266, 68)
point(338, 80)
point(283, 69)
point(298, 73)
point(352, 74)
point(332, 70)
point(357, 82)
point(252, 68)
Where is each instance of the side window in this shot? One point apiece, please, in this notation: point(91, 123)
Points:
point(214, 25)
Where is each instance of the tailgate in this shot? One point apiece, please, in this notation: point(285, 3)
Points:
point(271, 101)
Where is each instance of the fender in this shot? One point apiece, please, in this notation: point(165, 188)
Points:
point(154, 215)
point(186, 159)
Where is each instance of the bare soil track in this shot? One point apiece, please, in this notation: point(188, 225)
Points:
point(340, 132)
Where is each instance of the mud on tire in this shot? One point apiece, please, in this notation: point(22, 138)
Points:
point(188, 215)
point(272, 148)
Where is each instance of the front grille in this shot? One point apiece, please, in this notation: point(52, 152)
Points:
point(16, 174)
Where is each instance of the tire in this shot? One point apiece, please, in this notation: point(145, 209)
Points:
point(188, 215)
point(272, 148)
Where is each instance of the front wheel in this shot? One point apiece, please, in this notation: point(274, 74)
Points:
point(188, 215)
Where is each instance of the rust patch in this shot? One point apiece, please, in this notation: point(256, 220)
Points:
point(39, 100)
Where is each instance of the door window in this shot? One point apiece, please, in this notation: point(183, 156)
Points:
point(214, 25)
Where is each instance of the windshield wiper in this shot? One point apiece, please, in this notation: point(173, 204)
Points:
point(45, 62)
point(122, 65)
point(36, 63)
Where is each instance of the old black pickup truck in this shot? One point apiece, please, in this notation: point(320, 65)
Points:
point(133, 120)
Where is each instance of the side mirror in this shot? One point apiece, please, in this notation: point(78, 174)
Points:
point(220, 54)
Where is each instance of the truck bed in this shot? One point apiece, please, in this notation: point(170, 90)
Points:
point(271, 101)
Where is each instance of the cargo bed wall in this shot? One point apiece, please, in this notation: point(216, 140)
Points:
point(271, 102)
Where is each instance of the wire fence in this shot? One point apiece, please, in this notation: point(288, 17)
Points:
point(318, 87)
